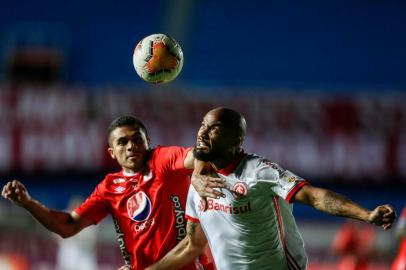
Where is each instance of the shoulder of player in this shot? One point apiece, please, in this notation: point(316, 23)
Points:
point(262, 161)
point(165, 149)
point(259, 164)
point(255, 160)
point(161, 153)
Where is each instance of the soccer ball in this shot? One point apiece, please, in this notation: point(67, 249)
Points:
point(158, 58)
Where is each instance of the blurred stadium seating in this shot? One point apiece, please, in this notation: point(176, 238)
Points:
point(321, 84)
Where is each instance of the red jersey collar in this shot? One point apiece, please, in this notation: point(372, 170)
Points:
point(123, 173)
point(233, 164)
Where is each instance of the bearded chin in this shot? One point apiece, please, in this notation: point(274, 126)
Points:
point(203, 156)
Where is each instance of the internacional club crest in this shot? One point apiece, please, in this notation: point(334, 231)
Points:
point(139, 206)
point(240, 190)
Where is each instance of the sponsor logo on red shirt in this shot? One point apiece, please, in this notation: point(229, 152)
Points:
point(139, 206)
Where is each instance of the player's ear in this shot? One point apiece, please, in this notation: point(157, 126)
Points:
point(240, 141)
point(111, 152)
point(237, 141)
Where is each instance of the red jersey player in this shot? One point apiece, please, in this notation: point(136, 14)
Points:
point(146, 198)
point(400, 261)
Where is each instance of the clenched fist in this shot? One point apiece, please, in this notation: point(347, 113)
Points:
point(16, 192)
point(383, 215)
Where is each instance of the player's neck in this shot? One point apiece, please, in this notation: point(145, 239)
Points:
point(128, 171)
point(225, 160)
point(140, 167)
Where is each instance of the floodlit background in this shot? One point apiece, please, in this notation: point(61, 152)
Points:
point(321, 83)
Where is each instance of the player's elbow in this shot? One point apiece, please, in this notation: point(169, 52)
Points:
point(66, 234)
point(67, 231)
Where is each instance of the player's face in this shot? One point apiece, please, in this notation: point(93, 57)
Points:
point(129, 145)
point(215, 140)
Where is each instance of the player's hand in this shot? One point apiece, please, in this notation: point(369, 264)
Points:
point(16, 192)
point(383, 215)
point(205, 184)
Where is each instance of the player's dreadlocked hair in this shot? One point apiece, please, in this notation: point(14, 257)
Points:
point(125, 121)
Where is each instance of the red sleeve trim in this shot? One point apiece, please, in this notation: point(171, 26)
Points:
point(195, 220)
point(295, 190)
point(93, 220)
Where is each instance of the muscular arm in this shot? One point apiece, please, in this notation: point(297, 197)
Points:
point(189, 160)
point(62, 223)
point(183, 253)
point(335, 204)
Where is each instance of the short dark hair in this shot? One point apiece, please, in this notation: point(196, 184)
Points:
point(125, 121)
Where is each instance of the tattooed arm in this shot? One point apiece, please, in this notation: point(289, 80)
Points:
point(185, 251)
point(338, 205)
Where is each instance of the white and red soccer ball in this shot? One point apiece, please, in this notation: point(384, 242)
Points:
point(158, 58)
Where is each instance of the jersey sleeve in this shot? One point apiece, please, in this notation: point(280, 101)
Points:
point(191, 207)
point(283, 183)
point(95, 207)
point(171, 158)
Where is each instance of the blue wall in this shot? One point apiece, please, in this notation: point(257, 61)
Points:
point(334, 44)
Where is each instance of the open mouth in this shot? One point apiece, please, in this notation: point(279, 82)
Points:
point(201, 145)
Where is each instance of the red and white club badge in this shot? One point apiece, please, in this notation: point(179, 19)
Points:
point(240, 190)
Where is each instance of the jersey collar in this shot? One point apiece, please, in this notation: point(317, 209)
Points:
point(233, 164)
point(128, 174)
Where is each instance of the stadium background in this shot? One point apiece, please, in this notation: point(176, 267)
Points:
point(322, 85)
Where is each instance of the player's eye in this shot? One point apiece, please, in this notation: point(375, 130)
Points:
point(215, 130)
point(121, 142)
point(137, 140)
point(202, 127)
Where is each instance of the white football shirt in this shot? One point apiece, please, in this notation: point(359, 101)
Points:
point(253, 226)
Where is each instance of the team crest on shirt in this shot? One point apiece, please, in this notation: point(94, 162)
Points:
point(239, 190)
point(139, 206)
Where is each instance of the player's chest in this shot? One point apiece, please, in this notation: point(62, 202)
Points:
point(143, 195)
point(243, 197)
point(124, 192)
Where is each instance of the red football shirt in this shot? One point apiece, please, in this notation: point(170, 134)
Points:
point(148, 209)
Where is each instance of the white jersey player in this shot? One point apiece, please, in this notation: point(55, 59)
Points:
point(248, 222)
point(253, 226)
